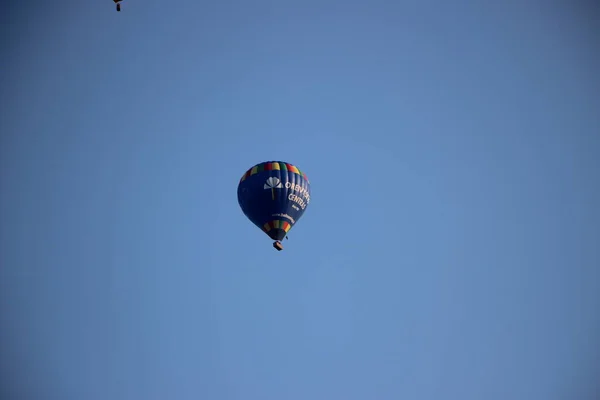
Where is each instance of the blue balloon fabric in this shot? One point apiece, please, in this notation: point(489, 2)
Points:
point(274, 195)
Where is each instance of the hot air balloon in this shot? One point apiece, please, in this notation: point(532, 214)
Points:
point(274, 195)
point(118, 3)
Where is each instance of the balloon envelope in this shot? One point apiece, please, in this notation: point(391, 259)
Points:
point(274, 195)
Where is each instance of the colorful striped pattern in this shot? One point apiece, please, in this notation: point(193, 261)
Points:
point(273, 166)
point(277, 224)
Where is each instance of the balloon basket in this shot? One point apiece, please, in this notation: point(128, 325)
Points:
point(278, 246)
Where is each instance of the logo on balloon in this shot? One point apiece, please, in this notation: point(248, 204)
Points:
point(273, 183)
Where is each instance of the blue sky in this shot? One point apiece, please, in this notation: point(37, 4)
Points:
point(450, 250)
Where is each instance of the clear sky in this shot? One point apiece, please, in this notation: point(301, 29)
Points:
point(451, 249)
